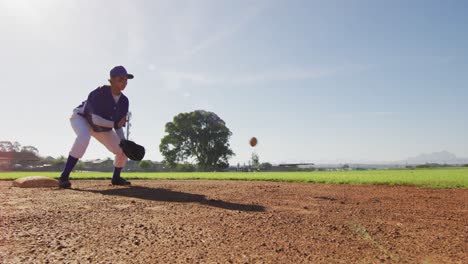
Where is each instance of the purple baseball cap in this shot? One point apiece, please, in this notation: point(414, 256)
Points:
point(120, 71)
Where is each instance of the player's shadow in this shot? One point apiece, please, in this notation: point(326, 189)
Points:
point(165, 195)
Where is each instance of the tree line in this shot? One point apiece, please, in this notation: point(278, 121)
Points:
point(194, 141)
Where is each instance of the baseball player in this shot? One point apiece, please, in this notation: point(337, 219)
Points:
point(101, 116)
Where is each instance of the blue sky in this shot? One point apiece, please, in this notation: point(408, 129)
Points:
point(314, 81)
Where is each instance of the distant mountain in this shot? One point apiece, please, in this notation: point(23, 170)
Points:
point(442, 157)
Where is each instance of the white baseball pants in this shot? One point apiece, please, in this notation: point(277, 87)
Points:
point(84, 131)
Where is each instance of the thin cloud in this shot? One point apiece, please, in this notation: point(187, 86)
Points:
point(249, 78)
point(243, 78)
point(364, 114)
point(285, 75)
point(225, 33)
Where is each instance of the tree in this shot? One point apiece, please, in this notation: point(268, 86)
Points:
point(30, 149)
point(7, 146)
point(59, 161)
point(200, 136)
point(79, 166)
point(266, 166)
point(145, 164)
point(185, 167)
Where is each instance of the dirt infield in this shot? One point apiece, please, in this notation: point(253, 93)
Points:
point(164, 221)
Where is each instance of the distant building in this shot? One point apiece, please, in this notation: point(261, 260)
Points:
point(17, 160)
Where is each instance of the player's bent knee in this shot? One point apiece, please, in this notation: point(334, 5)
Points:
point(118, 151)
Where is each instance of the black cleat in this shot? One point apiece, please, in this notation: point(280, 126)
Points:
point(64, 183)
point(120, 181)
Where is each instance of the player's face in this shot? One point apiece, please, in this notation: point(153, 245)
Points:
point(120, 82)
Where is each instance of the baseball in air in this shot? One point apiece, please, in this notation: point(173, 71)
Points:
point(253, 141)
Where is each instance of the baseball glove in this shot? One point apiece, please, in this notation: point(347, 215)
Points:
point(132, 150)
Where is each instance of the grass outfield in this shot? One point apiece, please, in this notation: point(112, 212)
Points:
point(434, 178)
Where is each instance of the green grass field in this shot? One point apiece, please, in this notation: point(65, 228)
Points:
point(433, 178)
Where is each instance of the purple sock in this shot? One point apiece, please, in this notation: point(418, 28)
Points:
point(71, 162)
point(116, 174)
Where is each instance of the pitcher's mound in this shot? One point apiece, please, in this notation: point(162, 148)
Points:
point(35, 182)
